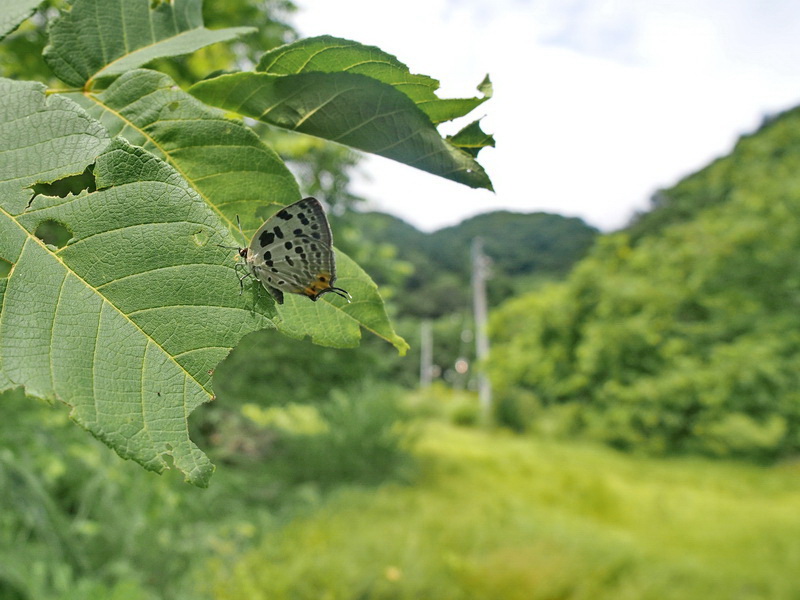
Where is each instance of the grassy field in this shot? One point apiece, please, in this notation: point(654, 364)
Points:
point(500, 517)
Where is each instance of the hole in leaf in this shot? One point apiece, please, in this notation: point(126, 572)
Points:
point(74, 184)
point(5, 268)
point(201, 238)
point(53, 233)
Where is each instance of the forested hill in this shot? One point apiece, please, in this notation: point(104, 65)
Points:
point(681, 333)
point(771, 152)
point(521, 246)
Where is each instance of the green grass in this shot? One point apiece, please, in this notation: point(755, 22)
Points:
point(503, 518)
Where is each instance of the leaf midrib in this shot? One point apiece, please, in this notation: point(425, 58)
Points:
point(230, 225)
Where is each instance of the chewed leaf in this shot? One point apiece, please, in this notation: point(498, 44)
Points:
point(239, 177)
point(227, 165)
point(101, 38)
point(326, 54)
point(132, 313)
point(349, 108)
point(64, 141)
point(472, 138)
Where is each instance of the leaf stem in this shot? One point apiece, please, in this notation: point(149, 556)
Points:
point(62, 91)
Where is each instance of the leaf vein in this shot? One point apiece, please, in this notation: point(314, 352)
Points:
point(106, 302)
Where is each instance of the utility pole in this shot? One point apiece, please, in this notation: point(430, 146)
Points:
point(426, 355)
point(480, 268)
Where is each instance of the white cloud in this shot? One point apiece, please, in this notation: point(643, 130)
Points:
point(597, 103)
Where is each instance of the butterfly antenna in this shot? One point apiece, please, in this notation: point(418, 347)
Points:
point(239, 223)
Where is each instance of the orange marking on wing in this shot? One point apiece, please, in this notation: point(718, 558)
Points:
point(320, 283)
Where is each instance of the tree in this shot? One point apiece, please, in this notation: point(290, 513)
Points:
point(682, 336)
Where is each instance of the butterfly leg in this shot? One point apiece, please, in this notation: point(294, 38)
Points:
point(238, 268)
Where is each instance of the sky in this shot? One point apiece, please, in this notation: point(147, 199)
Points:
point(597, 103)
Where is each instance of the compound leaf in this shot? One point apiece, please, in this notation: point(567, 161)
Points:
point(125, 322)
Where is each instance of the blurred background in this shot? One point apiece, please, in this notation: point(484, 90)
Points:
point(633, 431)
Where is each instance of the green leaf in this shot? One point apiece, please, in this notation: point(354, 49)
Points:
point(224, 161)
point(336, 322)
point(126, 322)
point(239, 177)
point(326, 54)
point(348, 108)
point(43, 140)
point(472, 138)
point(13, 13)
point(103, 38)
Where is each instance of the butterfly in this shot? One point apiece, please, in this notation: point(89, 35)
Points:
point(292, 252)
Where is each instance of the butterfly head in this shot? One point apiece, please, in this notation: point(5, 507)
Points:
point(243, 252)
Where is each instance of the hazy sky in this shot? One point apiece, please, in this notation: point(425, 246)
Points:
point(597, 103)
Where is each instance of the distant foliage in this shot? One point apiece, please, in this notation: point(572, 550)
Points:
point(687, 340)
point(774, 144)
point(517, 243)
point(521, 247)
point(362, 441)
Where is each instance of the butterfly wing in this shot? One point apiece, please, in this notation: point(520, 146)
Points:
point(292, 252)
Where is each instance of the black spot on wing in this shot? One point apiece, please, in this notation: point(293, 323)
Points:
point(267, 238)
point(278, 232)
point(284, 214)
point(288, 245)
